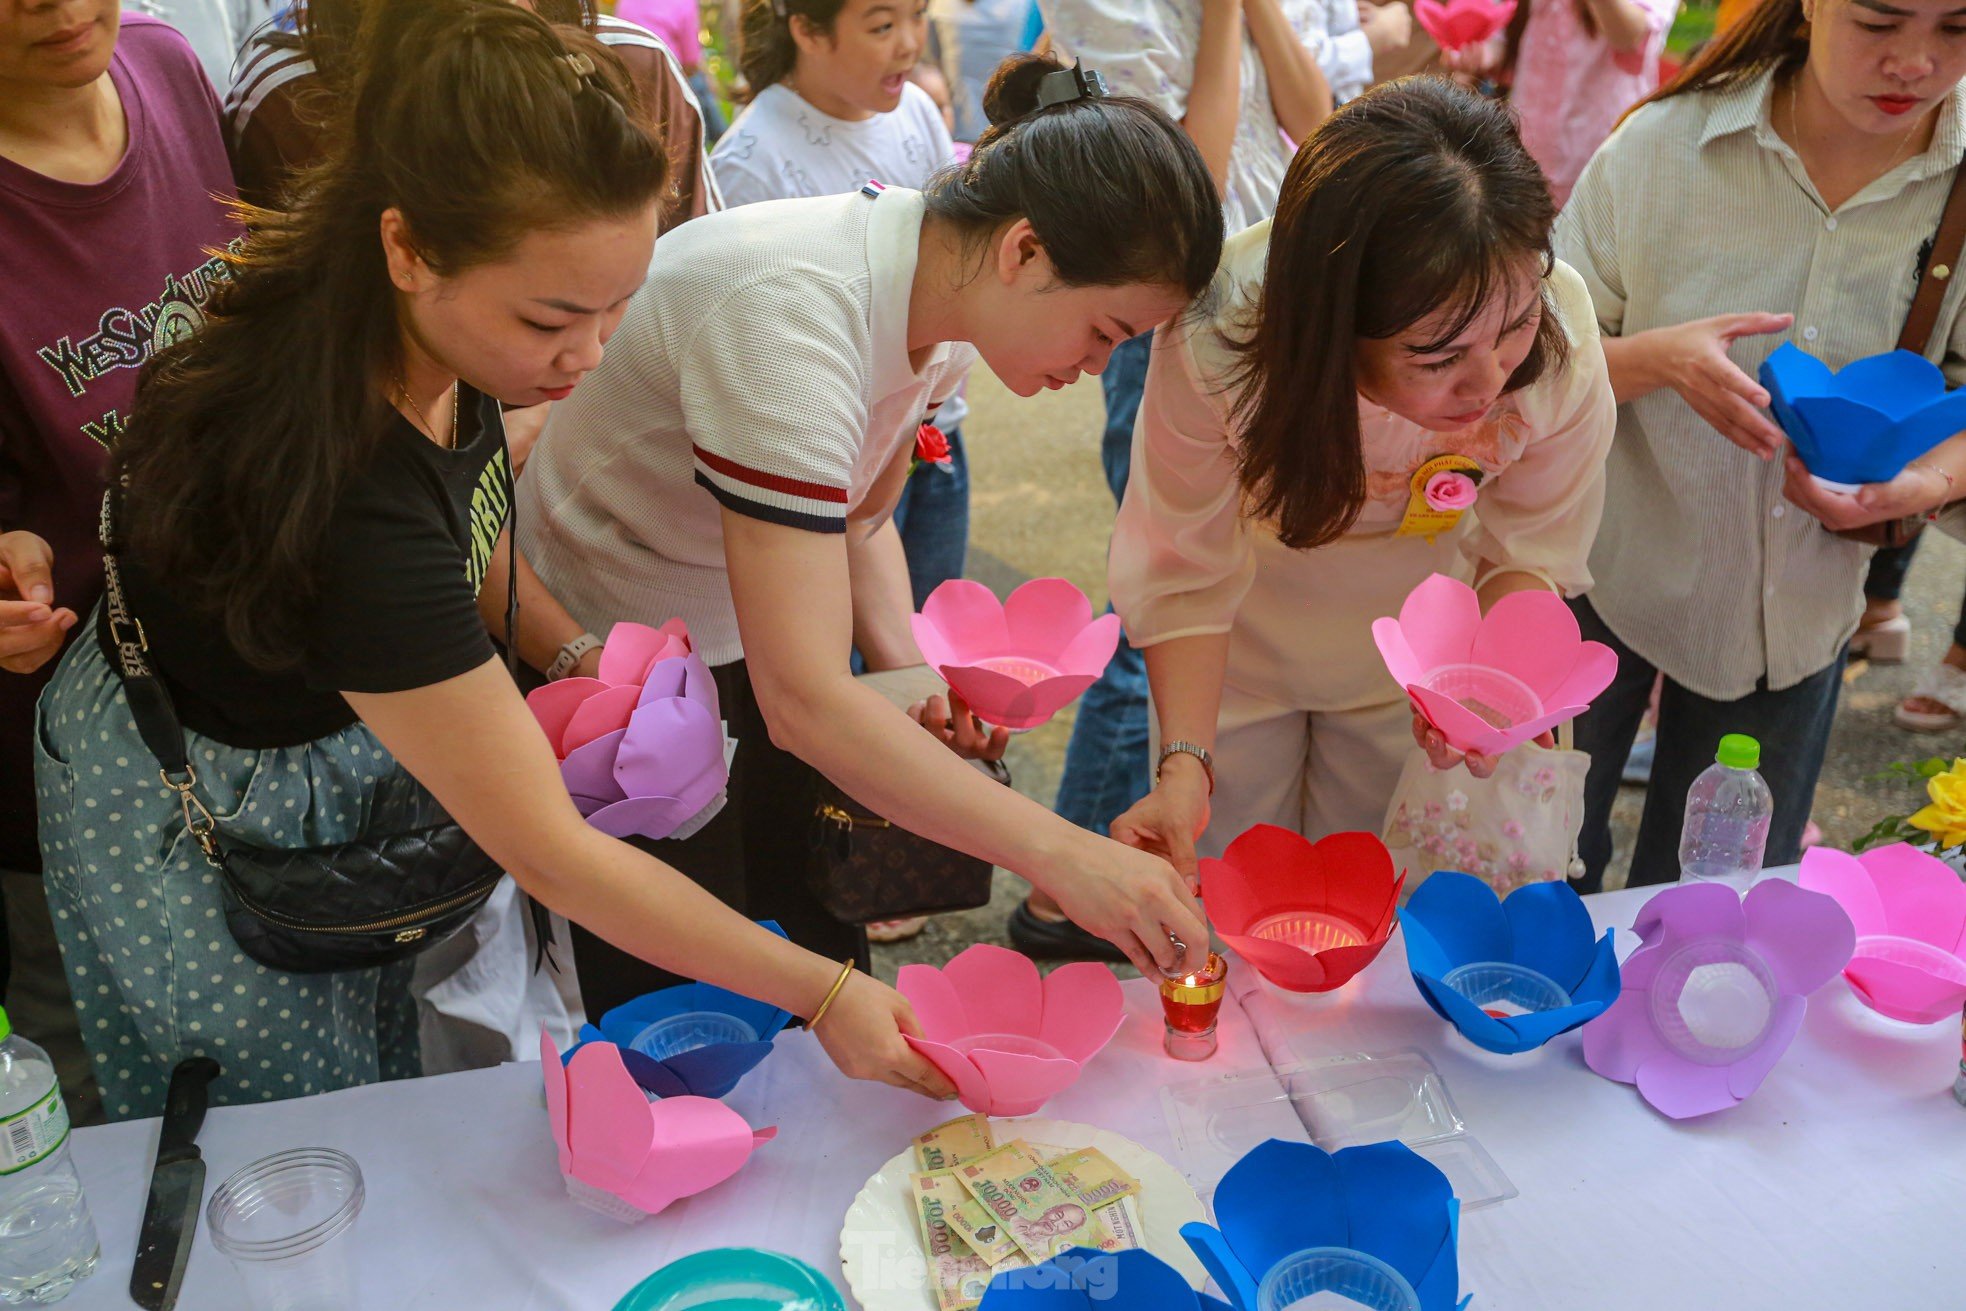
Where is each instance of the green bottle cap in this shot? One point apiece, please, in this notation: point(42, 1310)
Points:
point(1739, 751)
point(6, 1025)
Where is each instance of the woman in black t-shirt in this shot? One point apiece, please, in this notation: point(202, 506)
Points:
point(317, 488)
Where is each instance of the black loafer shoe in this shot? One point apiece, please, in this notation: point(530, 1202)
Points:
point(1043, 939)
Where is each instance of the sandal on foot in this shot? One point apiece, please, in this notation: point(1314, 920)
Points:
point(1936, 704)
point(1885, 642)
point(896, 930)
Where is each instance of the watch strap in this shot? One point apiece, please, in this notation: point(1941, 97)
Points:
point(570, 656)
point(1195, 749)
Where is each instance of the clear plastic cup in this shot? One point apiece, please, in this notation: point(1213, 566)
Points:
point(690, 1031)
point(1500, 698)
point(1330, 1278)
point(1502, 989)
point(1713, 1001)
point(284, 1221)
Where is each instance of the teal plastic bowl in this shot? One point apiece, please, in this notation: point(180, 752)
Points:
point(734, 1279)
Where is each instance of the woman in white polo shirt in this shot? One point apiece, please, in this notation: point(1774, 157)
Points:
point(737, 460)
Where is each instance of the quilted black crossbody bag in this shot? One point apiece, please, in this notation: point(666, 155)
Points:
point(306, 910)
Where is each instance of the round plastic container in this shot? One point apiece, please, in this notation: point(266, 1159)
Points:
point(734, 1279)
point(1712, 1001)
point(1025, 670)
point(1913, 954)
point(1501, 699)
point(1330, 1278)
point(688, 1032)
point(1016, 1044)
point(284, 1221)
point(1308, 930)
point(1503, 989)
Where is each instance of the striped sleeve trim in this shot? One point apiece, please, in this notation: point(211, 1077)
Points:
point(267, 68)
point(620, 32)
point(751, 509)
point(773, 497)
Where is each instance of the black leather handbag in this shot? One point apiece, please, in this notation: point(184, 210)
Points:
point(869, 868)
point(309, 910)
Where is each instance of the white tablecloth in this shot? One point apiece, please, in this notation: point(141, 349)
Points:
point(466, 1208)
point(1839, 1186)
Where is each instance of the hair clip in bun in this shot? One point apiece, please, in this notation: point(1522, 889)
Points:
point(579, 68)
point(1069, 84)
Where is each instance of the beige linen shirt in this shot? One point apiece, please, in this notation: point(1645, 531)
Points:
point(1694, 208)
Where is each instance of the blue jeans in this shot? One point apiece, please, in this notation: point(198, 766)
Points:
point(1106, 764)
point(1792, 725)
point(932, 517)
point(712, 108)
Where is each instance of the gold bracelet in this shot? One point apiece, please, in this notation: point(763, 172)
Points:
point(846, 972)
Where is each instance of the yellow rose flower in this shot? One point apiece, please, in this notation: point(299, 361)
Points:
point(1945, 817)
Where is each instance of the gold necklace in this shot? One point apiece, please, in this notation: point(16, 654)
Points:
point(403, 389)
point(1795, 130)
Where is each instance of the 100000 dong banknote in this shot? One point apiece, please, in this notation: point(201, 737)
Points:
point(957, 1274)
point(958, 1142)
point(1043, 1216)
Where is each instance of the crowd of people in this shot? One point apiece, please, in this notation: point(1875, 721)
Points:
point(432, 338)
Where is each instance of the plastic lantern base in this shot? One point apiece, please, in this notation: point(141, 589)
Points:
point(1713, 1001)
point(1016, 1044)
point(1308, 930)
point(600, 1199)
point(1504, 989)
point(733, 1279)
point(1330, 1278)
point(1498, 698)
point(690, 1031)
point(1912, 954)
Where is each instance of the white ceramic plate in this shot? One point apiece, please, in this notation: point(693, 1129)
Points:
point(881, 1248)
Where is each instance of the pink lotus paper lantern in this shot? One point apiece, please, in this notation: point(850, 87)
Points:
point(1020, 661)
point(1717, 992)
point(1008, 1039)
point(1491, 682)
point(1909, 910)
point(1308, 915)
point(626, 1155)
point(641, 747)
point(1462, 23)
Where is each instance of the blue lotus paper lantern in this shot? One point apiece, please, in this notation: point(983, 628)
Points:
point(1377, 1207)
point(1083, 1279)
point(1865, 422)
point(692, 1040)
point(1510, 975)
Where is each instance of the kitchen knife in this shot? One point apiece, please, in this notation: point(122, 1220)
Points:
point(177, 1189)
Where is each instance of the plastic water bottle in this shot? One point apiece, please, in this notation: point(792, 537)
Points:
point(47, 1237)
point(1727, 812)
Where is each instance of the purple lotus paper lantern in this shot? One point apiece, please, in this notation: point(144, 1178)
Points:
point(641, 747)
point(1019, 661)
point(1458, 24)
point(1717, 991)
point(1491, 682)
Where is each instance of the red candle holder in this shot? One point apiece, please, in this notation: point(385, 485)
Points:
point(1191, 1003)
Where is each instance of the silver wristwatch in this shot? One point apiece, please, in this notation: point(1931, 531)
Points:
point(1194, 749)
point(570, 656)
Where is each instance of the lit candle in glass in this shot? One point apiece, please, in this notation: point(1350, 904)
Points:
point(1191, 1002)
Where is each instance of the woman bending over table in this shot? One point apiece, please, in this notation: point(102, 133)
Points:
point(1787, 185)
point(738, 460)
point(1400, 317)
point(317, 491)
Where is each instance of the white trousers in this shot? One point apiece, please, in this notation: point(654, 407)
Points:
point(1313, 730)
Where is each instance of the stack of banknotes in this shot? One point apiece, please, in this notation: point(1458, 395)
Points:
point(985, 1208)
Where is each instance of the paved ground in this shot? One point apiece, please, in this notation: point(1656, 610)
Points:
point(1040, 506)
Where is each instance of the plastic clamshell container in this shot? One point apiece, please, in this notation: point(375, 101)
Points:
point(1342, 1101)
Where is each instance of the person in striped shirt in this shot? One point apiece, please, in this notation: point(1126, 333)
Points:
point(296, 67)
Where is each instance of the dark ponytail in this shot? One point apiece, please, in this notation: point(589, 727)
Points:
point(1115, 190)
point(468, 117)
point(326, 30)
point(766, 50)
